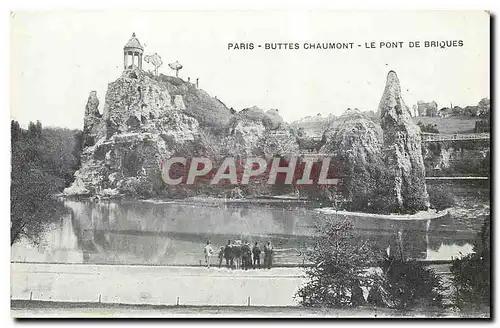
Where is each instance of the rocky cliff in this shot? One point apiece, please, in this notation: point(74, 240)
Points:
point(457, 158)
point(314, 126)
point(260, 133)
point(402, 149)
point(142, 123)
point(147, 119)
point(356, 143)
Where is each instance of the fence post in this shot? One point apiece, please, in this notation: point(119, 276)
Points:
point(31, 296)
point(177, 301)
point(99, 298)
point(248, 300)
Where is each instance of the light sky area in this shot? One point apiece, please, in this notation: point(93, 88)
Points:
point(57, 58)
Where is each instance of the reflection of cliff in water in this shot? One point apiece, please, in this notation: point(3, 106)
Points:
point(138, 232)
point(149, 233)
point(171, 233)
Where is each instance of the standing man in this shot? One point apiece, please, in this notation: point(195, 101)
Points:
point(208, 252)
point(256, 255)
point(237, 254)
point(245, 257)
point(249, 255)
point(221, 256)
point(228, 254)
point(268, 255)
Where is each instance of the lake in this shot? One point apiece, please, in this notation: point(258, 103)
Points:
point(174, 233)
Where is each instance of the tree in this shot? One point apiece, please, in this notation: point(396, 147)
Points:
point(33, 204)
point(154, 60)
point(457, 111)
point(338, 268)
point(43, 162)
point(471, 273)
point(484, 107)
point(405, 283)
point(176, 67)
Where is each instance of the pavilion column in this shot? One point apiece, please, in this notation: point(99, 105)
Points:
point(133, 59)
point(140, 61)
point(124, 60)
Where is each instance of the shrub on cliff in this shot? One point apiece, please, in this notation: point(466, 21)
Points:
point(209, 111)
point(367, 188)
point(440, 197)
point(428, 128)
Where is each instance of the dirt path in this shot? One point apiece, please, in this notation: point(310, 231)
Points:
point(154, 285)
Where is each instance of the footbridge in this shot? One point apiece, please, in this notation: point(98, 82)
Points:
point(437, 137)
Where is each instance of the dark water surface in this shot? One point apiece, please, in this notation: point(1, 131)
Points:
point(135, 232)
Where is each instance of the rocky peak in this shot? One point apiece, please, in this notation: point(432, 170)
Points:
point(91, 119)
point(402, 149)
point(392, 104)
point(91, 109)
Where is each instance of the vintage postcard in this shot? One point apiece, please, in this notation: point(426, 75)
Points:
point(250, 164)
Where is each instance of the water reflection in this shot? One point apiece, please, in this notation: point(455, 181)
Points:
point(134, 232)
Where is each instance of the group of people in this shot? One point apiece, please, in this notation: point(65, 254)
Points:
point(240, 255)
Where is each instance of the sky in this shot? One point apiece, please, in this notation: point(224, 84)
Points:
point(58, 57)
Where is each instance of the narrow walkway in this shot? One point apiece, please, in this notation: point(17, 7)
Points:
point(432, 137)
point(154, 285)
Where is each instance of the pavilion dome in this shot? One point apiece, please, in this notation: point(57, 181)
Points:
point(133, 44)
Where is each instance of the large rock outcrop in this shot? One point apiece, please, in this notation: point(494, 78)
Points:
point(255, 132)
point(142, 124)
point(245, 136)
point(354, 135)
point(91, 120)
point(402, 150)
point(281, 142)
point(457, 158)
point(210, 111)
point(147, 119)
point(314, 126)
point(355, 142)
